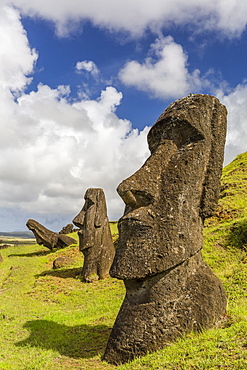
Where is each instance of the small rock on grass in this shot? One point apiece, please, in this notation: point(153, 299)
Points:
point(62, 261)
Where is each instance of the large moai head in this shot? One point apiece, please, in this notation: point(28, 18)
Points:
point(169, 288)
point(95, 239)
point(168, 198)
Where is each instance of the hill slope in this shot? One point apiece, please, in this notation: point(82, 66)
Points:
point(49, 319)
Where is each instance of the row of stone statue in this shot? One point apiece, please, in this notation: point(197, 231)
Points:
point(95, 240)
point(169, 288)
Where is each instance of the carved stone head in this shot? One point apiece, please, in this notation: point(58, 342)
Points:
point(95, 236)
point(91, 217)
point(43, 235)
point(169, 197)
point(47, 237)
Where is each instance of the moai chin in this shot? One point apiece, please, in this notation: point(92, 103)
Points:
point(169, 288)
point(95, 238)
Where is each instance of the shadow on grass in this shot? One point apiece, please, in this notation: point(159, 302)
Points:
point(82, 341)
point(237, 236)
point(63, 273)
point(32, 254)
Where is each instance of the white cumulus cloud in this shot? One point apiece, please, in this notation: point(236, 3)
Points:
point(16, 57)
point(236, 103)
point(89, 66)
point(135, 16)
point(165, 73)
point(52, 148)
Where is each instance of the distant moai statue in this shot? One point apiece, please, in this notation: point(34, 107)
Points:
point(49, 238)
point(169, 288)
point(67, 229)
point(95, 238)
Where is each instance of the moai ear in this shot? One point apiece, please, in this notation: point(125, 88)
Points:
point(99, 213)
point(211, 186)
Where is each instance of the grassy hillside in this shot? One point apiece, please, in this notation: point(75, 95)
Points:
point(49, 319)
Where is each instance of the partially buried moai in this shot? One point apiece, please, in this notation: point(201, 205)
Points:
point(169, 288)
point(95, 238)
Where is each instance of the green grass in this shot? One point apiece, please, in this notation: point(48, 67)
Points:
point(49, 319)
point(114, 228)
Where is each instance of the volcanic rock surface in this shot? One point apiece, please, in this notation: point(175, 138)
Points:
point(95, 240)
point(169, 288)
point(47, 237)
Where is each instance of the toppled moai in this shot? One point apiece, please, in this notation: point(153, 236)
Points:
point(169, 288)
point(47, 237)
point(95, 240)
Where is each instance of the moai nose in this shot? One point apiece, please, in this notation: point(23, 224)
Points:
point(79, 219)
point(138, 190)
point(144, 185)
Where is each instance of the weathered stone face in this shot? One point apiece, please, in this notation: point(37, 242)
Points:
point(160, 233)
point(168, 198)
point(47, 237)
point(95, 236)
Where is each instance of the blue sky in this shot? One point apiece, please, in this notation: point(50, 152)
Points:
point(82, 81)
